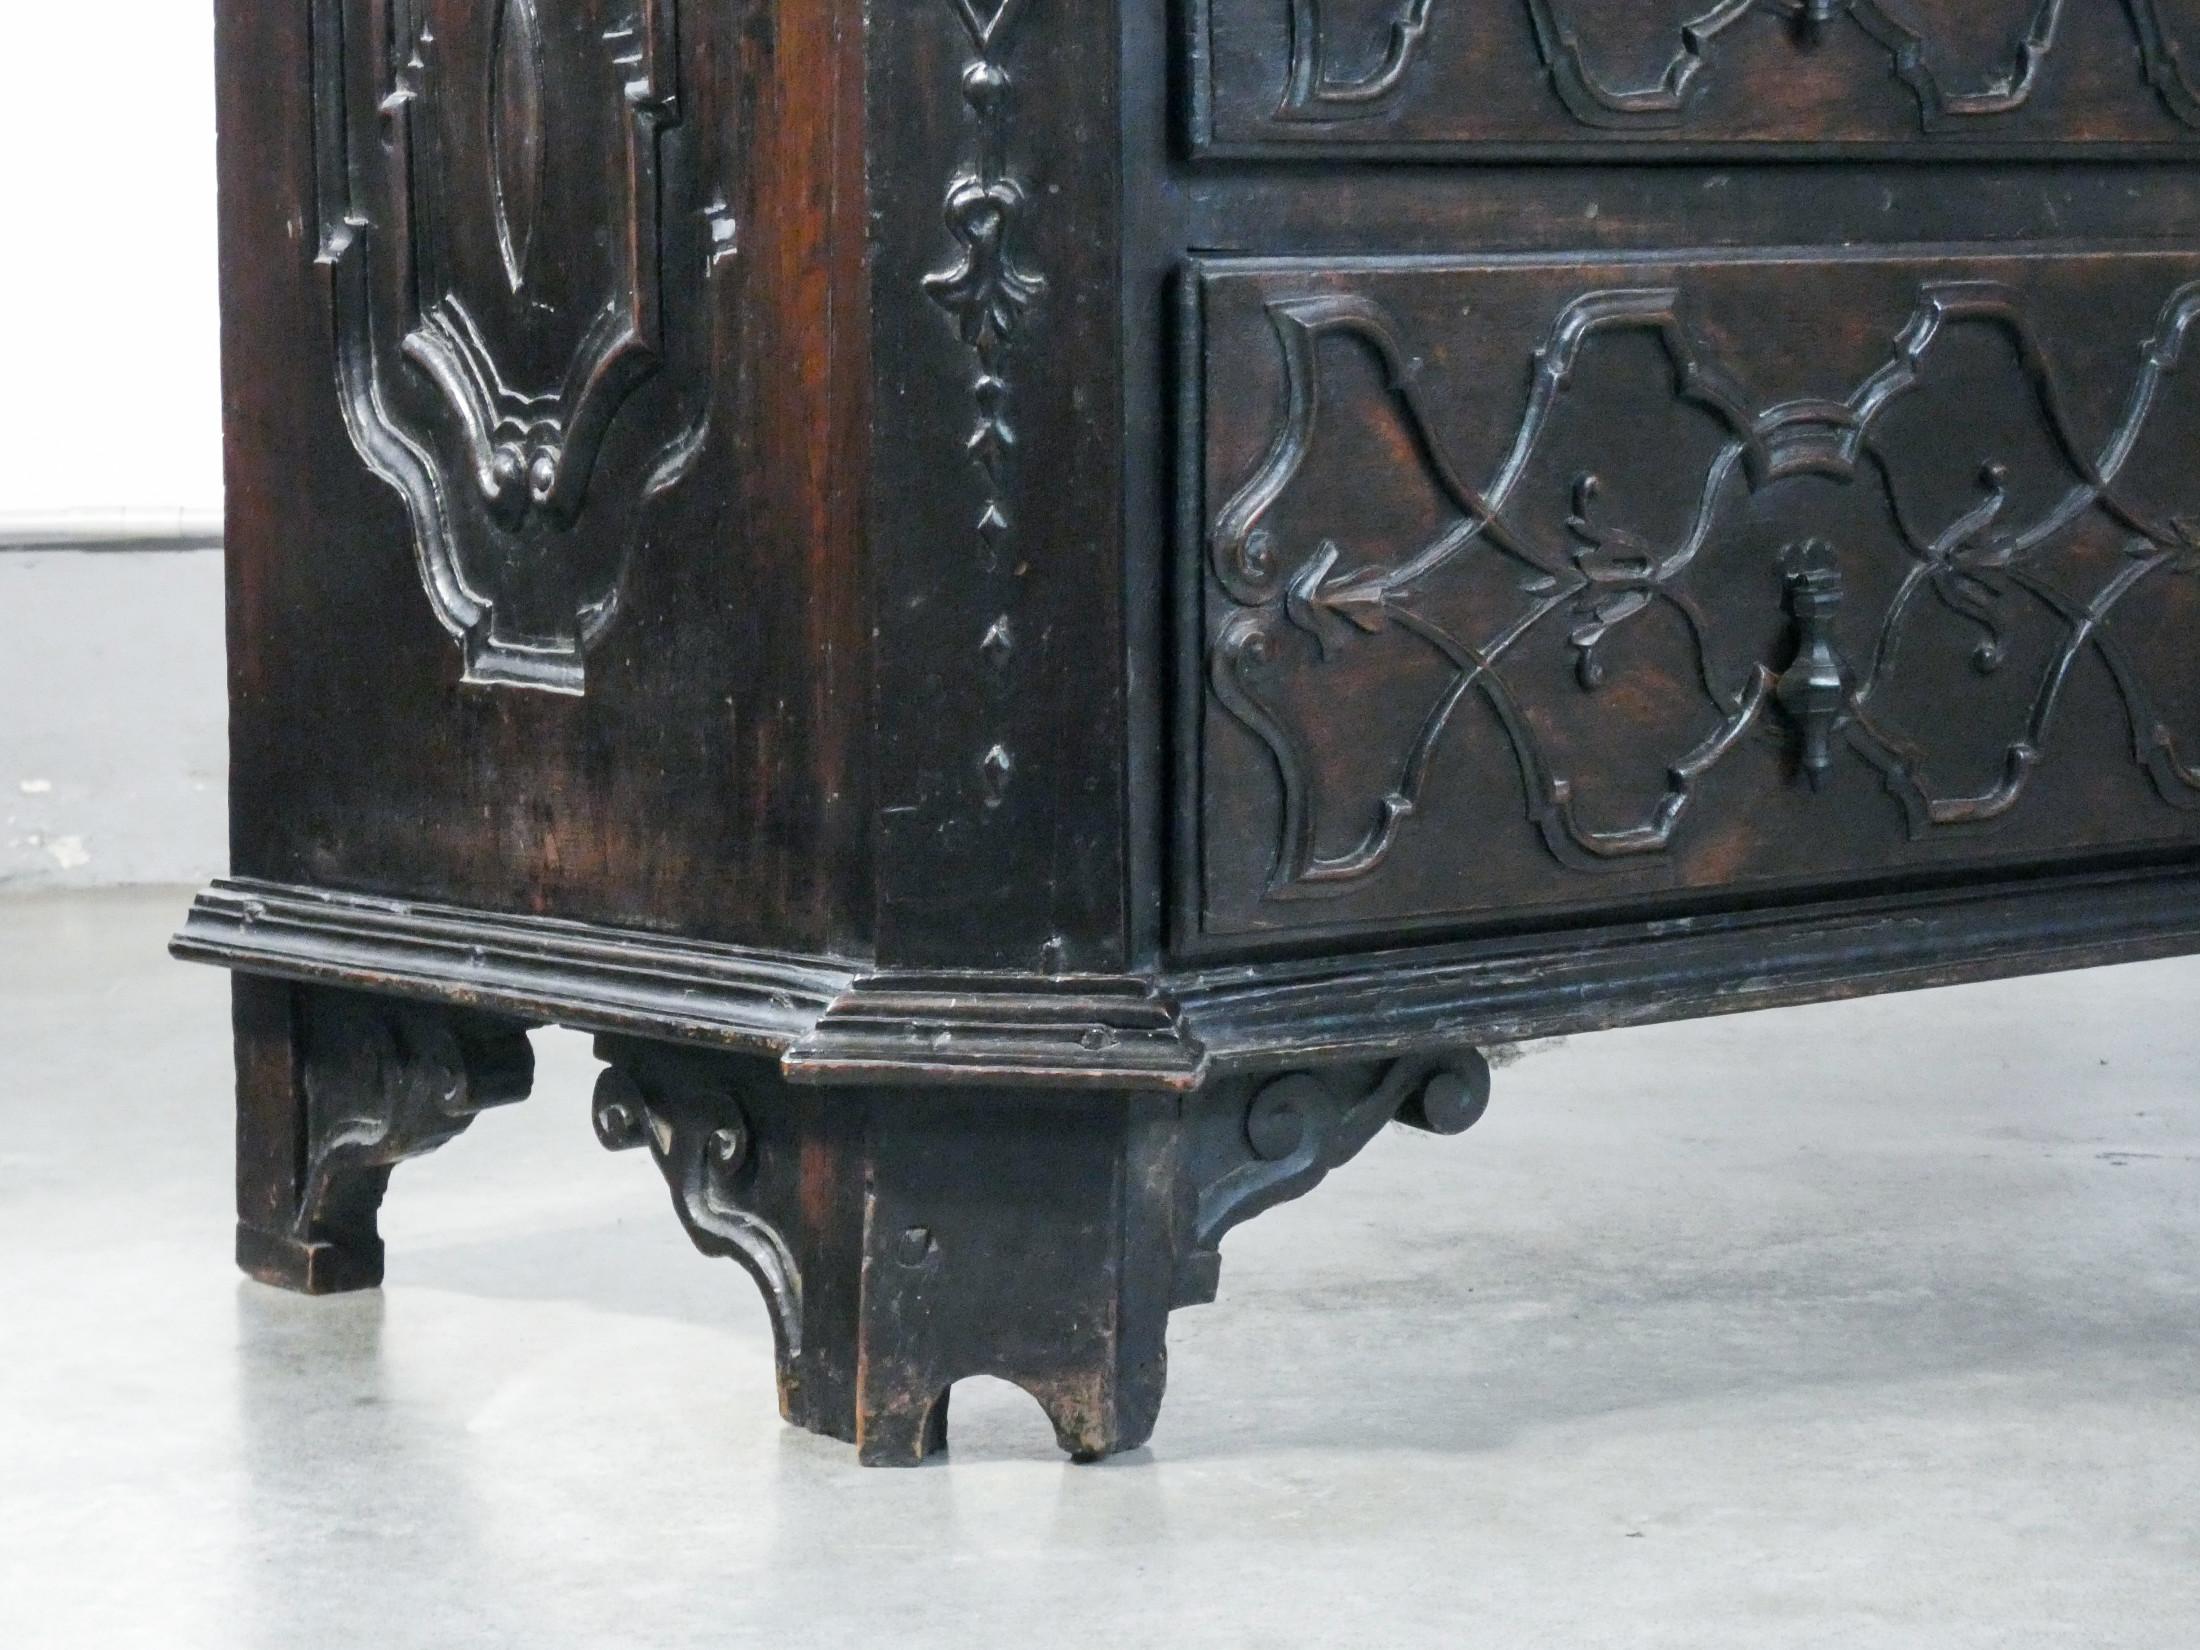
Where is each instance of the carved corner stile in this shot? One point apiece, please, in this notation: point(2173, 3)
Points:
point(985, 291)
point(987, 287)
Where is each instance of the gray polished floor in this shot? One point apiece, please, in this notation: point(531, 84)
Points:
point(1863, 1325)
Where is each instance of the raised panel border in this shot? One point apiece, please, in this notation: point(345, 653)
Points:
point(496, 463)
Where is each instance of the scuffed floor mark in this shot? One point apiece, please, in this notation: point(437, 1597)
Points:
point(1501, 1055)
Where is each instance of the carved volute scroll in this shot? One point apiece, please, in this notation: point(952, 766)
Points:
point(703, 1145)
point(519, 272)
point(1255, 1142)
point(381, 1082)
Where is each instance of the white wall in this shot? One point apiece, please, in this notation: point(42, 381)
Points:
point(107, 264)
point(111, 747)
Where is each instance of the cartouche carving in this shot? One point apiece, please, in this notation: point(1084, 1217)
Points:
point(500, 329)
point(1304, 604)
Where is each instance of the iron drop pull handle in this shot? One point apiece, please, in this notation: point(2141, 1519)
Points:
point(1813, 691)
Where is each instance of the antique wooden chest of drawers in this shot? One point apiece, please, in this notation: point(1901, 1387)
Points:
point(1044, 615)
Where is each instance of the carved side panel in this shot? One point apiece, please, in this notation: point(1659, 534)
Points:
point(1556, 586)
point(518, 266)
point(1934, 73)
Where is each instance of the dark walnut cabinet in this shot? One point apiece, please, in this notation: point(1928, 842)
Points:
point(1044, 616)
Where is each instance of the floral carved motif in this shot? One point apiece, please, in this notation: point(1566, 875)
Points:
point(987, 288)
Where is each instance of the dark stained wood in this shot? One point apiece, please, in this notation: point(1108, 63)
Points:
point(996, 494)
point(683, 362)
point(334, 1090)
point(1042, 615)
point(1089, 1033)
point(1546, 585)
point(903, 1246)
point(1453, 77)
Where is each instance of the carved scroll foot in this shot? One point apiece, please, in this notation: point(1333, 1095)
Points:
point(334, 1090)
point(1255, 1142)
point(1032, 1242)
point(905, 1240)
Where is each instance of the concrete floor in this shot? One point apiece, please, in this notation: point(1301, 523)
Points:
point(1864, 1325)
point(114, 754)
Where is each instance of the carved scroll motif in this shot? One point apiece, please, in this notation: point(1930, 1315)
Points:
point(1256, 1142)
point(1301, 605)
point(1317, 90)
point(386, 1082)
point(702, 1145)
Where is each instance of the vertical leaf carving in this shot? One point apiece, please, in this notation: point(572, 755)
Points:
point(987, 289)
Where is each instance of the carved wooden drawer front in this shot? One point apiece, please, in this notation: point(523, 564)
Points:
point(1545, 585)
point(1443, 74)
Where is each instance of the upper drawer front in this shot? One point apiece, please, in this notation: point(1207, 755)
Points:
point(1548, 585)
point(1483, 76)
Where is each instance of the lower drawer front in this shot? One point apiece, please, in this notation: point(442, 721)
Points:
point(1535, 585)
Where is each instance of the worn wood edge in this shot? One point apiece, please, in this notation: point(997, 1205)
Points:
point(827, 1024)
point(1098, 1031)
point(1571, 980)
point(1330, 149)
point(543, 970)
